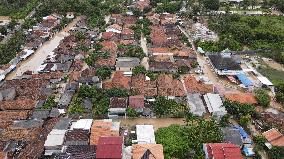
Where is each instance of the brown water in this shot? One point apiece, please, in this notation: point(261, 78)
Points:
point(34, 61)
point(156, 122)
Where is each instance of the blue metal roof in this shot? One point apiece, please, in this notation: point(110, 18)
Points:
point(244, 79)
point(242, 132)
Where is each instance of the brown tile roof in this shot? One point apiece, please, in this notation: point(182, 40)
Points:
point(156, 151)
point(129, 20)
point(116, 102)
point(19, 104)
point(88, 72)
point(127, 42)
point(159, 50)
point(50, 75)
point(140, 85)
point(110, 36)
point(274, 119)
point(241, 97)
point(118, 81)
point(136, 101)
point(115, 26)
point(110, 47)
point(74, 76)
point(77, 135)
point(101, 128)
point(274, 137)
point(127, 31)
point(194, 86)
point(13, 115)
point(18, 134)
point(167, 86)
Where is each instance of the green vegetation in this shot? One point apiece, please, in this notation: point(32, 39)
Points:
point(17, 9)
point(262, 97)
point(49, 103)
point(130, 112)
point(242, 112)
point(139, 69)
point(237, 32)
point(9, 50)
point(103, 72)
point(276, 153)
point(211, 4)
point(186, 141)
point(99, 97)
point(141, 27)
point(167, 6)
point(132, 51)
point(168, 107)
point(183, 69)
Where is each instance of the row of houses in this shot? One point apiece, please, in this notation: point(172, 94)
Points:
point(36, 36)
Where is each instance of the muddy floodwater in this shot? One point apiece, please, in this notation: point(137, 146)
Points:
point(156, 122)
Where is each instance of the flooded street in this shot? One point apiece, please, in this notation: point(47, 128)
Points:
point(34, 61)
point(156, 122)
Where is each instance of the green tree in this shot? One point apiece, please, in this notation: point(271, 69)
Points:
point(49, 103)
point(103, 72)
point(130, 112)
point(183, 69)
point(276, 152)
point(139, 69)
point(262, 97)
point(211, 4)
point(168, 107)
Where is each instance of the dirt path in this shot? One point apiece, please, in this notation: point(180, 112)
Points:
point(35, 61)
point(143, 43)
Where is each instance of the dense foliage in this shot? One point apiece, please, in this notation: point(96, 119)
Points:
point(99, 97)
point(49, 103)
point(168, 6)
point(17, 9)
point(132, 51)
point(186, 141)
point(103, 72)
point(276, 153)
point(168, 107)
point(236, 32)
point(9, 50)
point(262, 97)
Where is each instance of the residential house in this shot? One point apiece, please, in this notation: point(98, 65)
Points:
point(136, 102)
point(232, 135)
point(245, 136)
point(103, 128)
point(142, 84)
point(126, 64)
point(119, 80)
point(245, 98)
point(154, 18)
point(110, 36)
point(114, 28)
point(77, 137)
point(274, 138)
point(145, 134)
point(195, 104)
point(194, 86)
point(214, 104)
point(222, 151)
point(224, 64)
point(109, 148)
point(168, 86)
point(54, 142)
point(82, 124)
point(117, 106)
point(150, 151)
point(127, 34)
point(79, 151)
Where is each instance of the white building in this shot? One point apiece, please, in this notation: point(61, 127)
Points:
point(145, 134)
point(214, 104)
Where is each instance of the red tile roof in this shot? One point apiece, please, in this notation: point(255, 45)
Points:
point(109, 148)
point(167, 86)
point(136, 101)
point(118, 81)
point(274, 137)
point(13, 115)
point(101, 128)
point(194, 86)
point(127, 31)
point(241, 97)
point(140, 85)
point(223, 151)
